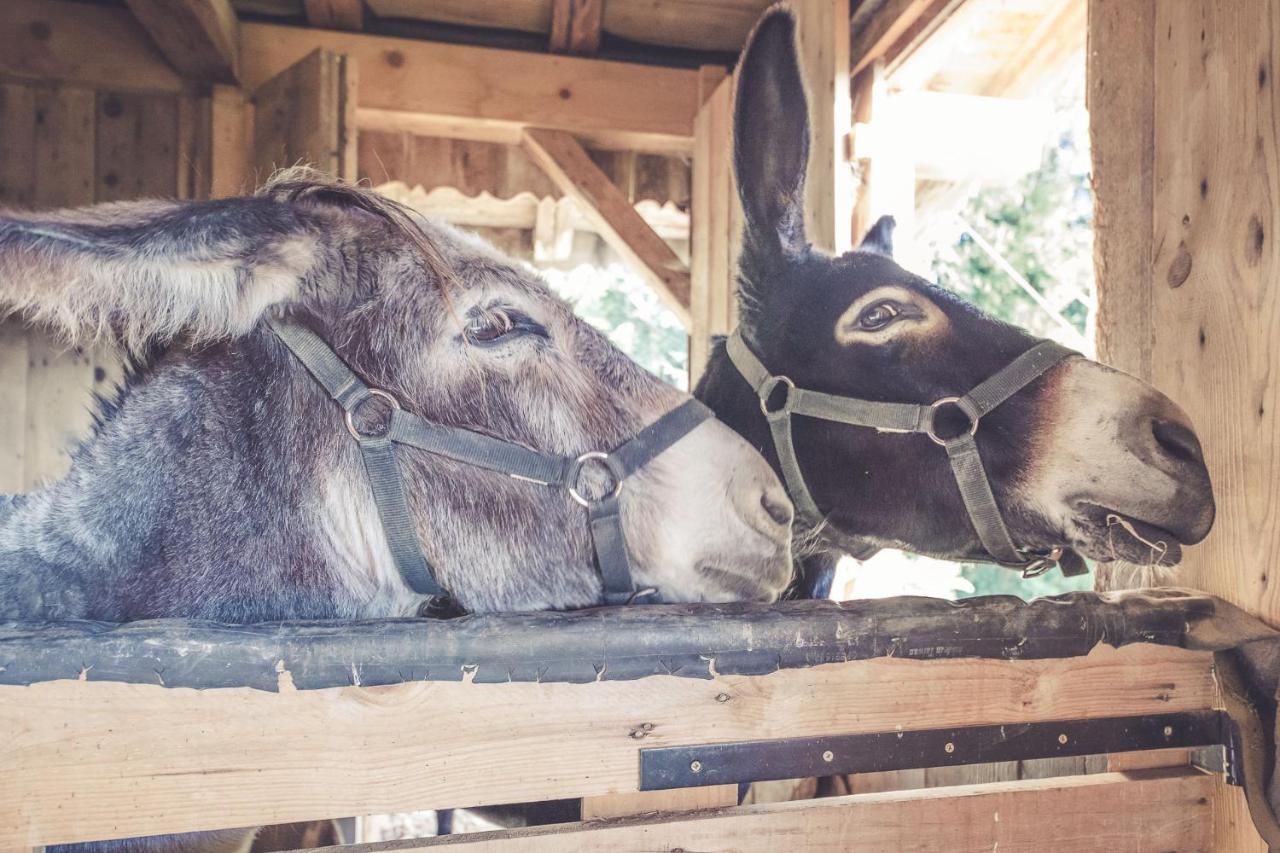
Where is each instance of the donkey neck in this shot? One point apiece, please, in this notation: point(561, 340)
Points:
point(201, 495)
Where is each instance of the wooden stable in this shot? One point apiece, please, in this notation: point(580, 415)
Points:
point(202, 98)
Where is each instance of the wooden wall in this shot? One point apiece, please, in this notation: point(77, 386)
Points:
point(63, 146)
point(1184, 111)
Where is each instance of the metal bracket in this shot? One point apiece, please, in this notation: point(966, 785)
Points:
point(662, 768)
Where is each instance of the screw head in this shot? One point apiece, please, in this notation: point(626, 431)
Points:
point(828, 756)
point(1062, 739)
point(950, 747)
point(695, 766)
point(1168, 731)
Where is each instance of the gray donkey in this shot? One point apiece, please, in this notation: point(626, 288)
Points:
point(221, 482)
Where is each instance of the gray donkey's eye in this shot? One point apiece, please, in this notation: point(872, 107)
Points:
point(494, 325)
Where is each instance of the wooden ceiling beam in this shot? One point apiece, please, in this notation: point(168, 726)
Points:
point(488, 94)
point(200, 38)
point(575, 26)
point(335, 14)
point(894, 28)
point(566, 162)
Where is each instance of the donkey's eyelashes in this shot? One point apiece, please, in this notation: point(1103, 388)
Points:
point(495, 325)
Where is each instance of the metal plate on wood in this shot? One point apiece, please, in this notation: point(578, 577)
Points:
point(789, 758)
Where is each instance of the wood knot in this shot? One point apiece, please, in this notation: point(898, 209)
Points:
point(723, 697)
point(111, 107)
point(565, 94)
point(641, 731)
point(395, 58)
point(40, 30)
point(1180, 269)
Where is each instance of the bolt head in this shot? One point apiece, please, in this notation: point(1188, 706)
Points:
point(695, 766)
point(1168, 731)
point(828, 756)
point(950, 747)
point(1062, 739)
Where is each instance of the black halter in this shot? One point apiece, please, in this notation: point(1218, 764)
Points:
point(493, 454)
point(962, 449)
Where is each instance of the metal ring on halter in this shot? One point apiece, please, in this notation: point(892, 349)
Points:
point(612, 465)
point(961, 403)
point(351, 423)
point(766, 389)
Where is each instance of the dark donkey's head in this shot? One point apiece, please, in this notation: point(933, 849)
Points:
point(224, 482)
point(1084, 457)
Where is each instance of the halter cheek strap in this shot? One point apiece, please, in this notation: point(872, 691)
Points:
point(520, 463)
point(962, 449)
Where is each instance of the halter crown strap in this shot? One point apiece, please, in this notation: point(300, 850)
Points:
point(962, 450)
point(492, 454)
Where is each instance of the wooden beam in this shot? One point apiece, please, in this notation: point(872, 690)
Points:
point(335, 14)
point(231, 143)
point(481, 93)
point(575, 26)
point(1143, 812)
point(141, 759)
point(566, 162)
point(648, 802)
point(824, 63)
point(893, 27)
point(200, 38)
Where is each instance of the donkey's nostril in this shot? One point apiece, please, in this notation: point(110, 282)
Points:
point(777, 506)
point(1177, 441)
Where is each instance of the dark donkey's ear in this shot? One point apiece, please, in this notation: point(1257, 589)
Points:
point(771, 136)
point(879, 238)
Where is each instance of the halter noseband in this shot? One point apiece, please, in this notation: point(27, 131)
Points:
point(962, 449)
point(493, 454)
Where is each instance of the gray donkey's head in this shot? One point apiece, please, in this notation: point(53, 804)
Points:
point(230, 478)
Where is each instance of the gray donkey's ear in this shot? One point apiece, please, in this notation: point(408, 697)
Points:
point(145, 271)
point(771, 135)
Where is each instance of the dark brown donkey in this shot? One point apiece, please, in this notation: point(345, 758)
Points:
point(1085, 458)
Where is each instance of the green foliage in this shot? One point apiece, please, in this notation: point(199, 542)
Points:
point(1043, 226)
point(628, 311)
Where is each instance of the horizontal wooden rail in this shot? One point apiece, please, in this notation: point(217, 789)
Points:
point(84, 760)
point(1143, 812)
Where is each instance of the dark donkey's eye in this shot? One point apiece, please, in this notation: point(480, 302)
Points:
point(496, 324)
point(879, 315)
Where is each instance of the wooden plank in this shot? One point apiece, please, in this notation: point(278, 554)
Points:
point(575, 26)
point(864, 90)
point(1214, 263)
point(305, 114)
point(335, 14)
point(488, 94)
point(231, 143)
point(59, 41)
point(649, 802)
point(713, 280)
point(59, 378)
point(17, 190)
point(194, 146)
point(200, 38)
point(1146, 812)
point(823, 37)
point(567, 164)
point(136, 148)
point(143, 759)
point(1121, 100)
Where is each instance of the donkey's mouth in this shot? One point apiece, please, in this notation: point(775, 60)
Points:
point(1109, 535)
point(743, 586)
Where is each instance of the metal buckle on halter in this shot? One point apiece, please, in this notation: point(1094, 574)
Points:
point(351, 423)
point(610, 464)
point(964, 404)
point(1042, 563)
point(766, 389)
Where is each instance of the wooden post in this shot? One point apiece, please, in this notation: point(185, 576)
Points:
point(1183, 106)
point(824, 64)
point(715, 224)
point(307, 113)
